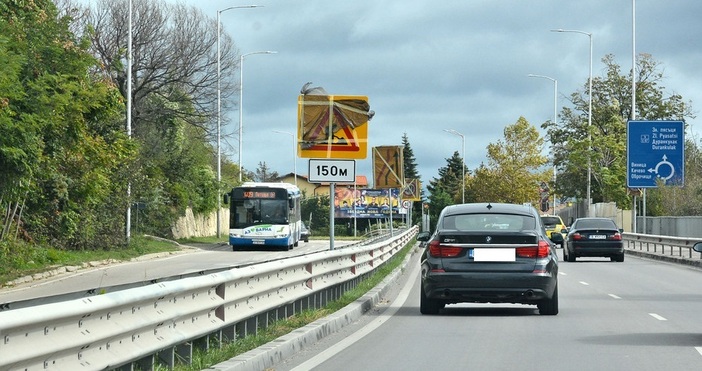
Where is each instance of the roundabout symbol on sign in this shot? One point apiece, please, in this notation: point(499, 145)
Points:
point(666, 163)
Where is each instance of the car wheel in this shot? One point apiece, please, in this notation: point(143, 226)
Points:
point(428, 306)
point(549, 307)
point(619, 258)
point(571, 257)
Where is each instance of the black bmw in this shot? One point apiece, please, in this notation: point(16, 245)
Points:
point(489, 253)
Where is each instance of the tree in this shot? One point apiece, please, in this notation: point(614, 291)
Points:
point(611, 107)
point(449, 179)
point(515, 167)
point(410, 171)
point(63, 157)
point(265, 174)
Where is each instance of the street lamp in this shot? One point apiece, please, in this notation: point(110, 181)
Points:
point(294, 151)
point(589, 117)
point(241, 104)
point(219, 114)
point(463, 162)
point(555, 121)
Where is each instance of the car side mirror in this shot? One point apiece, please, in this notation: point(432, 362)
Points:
point(697, 247)
point(556, 237)
point(423, 236)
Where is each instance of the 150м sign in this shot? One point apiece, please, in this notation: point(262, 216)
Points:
point(332, 171)
point(655, 152)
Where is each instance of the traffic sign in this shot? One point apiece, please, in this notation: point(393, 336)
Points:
point(333, 126)
point(655, 151)
point(332, 171)
point(388, 167)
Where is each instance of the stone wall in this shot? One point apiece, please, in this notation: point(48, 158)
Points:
point(192, 225)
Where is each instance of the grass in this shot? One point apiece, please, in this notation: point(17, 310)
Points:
point(21, 259)
point(204, 359)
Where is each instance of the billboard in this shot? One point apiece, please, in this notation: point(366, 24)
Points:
point(366, 203)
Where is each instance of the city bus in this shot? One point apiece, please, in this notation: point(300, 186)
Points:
point(264, 215)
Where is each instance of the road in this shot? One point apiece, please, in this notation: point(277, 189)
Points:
point(190, 260)
point(637, 315)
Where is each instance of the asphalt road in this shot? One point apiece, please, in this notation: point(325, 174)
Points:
point(637, 315)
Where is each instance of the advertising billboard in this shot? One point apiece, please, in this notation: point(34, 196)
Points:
point(366, 203)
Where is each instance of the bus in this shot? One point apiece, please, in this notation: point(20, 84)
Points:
point(264, 215)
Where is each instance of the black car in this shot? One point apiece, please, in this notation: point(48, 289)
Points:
point(489, 253)
point(597, 237)
point(304, 232)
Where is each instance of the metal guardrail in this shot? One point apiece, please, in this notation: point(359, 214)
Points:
point(664, 245)
point(167, 320)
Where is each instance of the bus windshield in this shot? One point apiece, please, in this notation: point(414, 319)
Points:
point(251, 212)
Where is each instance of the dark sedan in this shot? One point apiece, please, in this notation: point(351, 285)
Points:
point(304, 233)
point(597, 237)
point(489, 253)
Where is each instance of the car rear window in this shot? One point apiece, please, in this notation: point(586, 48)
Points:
point(596, 223)
point(489, 222)
point(550, 220)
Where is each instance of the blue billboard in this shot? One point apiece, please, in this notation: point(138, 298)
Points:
point(655, 151)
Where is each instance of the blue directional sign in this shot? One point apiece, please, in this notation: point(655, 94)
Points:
point(655, 150)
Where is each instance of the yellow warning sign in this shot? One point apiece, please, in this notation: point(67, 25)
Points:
point(388, 165)
point(333, 126)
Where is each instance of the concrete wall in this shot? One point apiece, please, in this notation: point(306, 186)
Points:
point(192, 225)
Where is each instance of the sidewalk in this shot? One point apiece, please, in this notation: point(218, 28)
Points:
point(672, 254)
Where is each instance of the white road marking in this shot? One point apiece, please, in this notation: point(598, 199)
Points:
point(699, 350)
point(584, 283)
point(614, 296)
point(358, 335)
point(658, 317)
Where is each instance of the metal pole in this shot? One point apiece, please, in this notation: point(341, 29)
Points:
point(219, 117)
point(589, 119)
point(555, 121)
point(241, 107)
point(129, 116)
point(463, 162)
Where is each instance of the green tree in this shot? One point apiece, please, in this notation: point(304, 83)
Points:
point(515, 167)
point(264, 173)
point(61, 145)
point(449, 179)
point(411, 172)
point(611, 107)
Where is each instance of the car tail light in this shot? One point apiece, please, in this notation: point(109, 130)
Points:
point(577, 236)
point(436, 249)
point(617, 236)
point(540, 251)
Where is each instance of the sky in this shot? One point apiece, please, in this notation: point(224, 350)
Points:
point(427, 66)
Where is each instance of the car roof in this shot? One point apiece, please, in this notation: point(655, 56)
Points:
point(497, 208)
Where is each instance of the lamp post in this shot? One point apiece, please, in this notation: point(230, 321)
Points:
point(463, 162)
point(219, 114)
point(555, 121)
point(589, 116)
point(294, 151)
point(241, 105)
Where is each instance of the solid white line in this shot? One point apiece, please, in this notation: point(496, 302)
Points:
point(358, 335)
point(699, 350)
point(658, 317)
point(614, 296)
point(584, 283)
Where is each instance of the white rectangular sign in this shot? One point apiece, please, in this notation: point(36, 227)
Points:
point(332, 171)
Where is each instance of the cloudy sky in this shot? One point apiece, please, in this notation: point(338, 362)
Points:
point(427, 66)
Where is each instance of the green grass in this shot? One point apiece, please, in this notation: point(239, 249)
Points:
point(22, 259)
point(217, 354)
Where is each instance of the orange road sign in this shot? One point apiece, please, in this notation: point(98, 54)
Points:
point(333, 126)
point(388, 167)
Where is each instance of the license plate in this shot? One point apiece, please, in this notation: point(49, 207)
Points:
point(470, 253)
point(598, 237)
point(258, 242)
